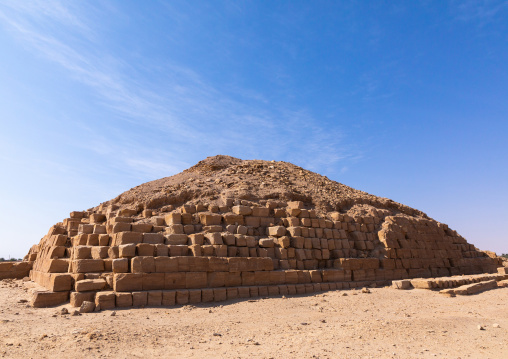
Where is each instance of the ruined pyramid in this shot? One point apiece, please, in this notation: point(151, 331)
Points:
point(228, 228)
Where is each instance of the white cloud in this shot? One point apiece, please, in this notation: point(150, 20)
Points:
point(176, 101)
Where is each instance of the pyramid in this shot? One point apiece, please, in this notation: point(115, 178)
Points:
point(229, 228)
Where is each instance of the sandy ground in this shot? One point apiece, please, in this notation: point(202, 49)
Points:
point(386, 323)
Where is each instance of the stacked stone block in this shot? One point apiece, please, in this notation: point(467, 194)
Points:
point(136, 256)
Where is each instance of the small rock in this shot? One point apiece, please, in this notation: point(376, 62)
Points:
point(113, 313)
point(344, 294)
point(303, 323)
point(480, 327)
point(64, 311)
point(495, 325)
point(365, 290)
point(217, 335)
point(22, 301)
point(75, 313)
point(87, 307)
point(43, 336)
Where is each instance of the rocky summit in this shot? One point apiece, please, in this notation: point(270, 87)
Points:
point(229, 228)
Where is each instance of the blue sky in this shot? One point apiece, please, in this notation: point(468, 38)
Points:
point(405, 100)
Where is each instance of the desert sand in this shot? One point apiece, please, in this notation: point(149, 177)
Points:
point(385, 323)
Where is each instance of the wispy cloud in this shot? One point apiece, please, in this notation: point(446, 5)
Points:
point(175, 102)
point(480, 11)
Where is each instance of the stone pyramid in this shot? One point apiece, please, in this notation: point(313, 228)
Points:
point(228, 228)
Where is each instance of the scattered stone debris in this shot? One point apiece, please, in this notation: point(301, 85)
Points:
point(87, 307)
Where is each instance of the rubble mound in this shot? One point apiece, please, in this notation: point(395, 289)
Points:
point(230, 228)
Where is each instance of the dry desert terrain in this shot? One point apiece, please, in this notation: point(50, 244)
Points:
point(385, 323)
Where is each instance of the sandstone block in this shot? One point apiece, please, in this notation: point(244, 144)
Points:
point(186, 208)
point(194, 296)
point(188, 229)
point(168, 297)
point(216, 279)
point(59, 282)
point(154, 298)
point(127, 238)
point(196, 250)
point(78, 298)
point(295, 204)
point(214, 238)
point(421, 283)
point(143, 264)
point(233, 279)
point(77, 214)
point(182, 296)
point(166, 264)
point(231, 218)
point(173, 218)
point(277, 277)
point(401, 284)
point(161, 250)
point(276, 231)
point(120, 219)
point(87, 285)
point(198, 264)
point(82, 252)
point(53, 252)
point(127, 212)
point(43, 299)
point(123, 300)
point(153, 281)
point(177, 239)
point(207, 295)
point(266, 242)
point(219, 294)
point(113, 252)
point(252, 221)
point(139, 299)
point(174, 229)
point(153, 238)
point(127, 250)
point(242, 210)
point(293, 212)
point(218, 264)
point(85, 228)
point(210, 219)
point(502, 270)
point(97, 218)
point(178, 250)
point(99, 252)
point(231, 293)
point(119, 227)
point(197, 238)
point(260, 211)
point(141, 227)
point(127, 282)
point(174, 280)
point(105, 300)
point(145, 249)
point(87, 265)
